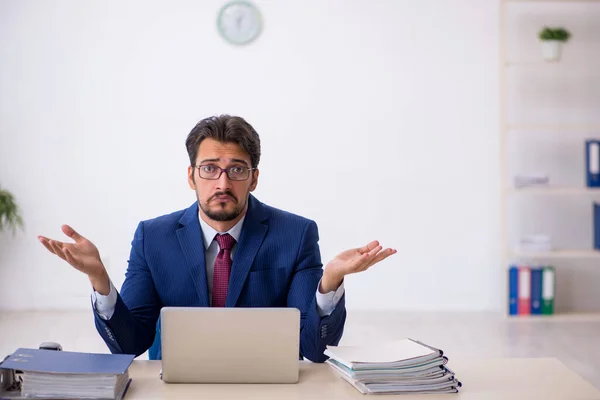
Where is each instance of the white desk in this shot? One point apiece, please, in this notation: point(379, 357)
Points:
point(498, 379)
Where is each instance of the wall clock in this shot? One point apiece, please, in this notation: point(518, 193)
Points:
point(239, 22)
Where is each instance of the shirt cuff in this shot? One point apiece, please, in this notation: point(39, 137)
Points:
point(327, 302)
point(105, 305)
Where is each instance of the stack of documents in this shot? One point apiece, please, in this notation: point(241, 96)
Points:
point(523, 181)
point(403, 366)
point(540, 242)
point(66, 375)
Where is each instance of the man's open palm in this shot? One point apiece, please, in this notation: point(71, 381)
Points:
point(82, 255)
point(352, 261)
point(359, 259)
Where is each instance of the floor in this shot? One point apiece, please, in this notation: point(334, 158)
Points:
point(573, 339)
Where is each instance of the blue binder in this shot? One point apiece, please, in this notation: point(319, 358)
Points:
point(596, 222)
point(66, 362)
point(73, 375)
point(592, 162)
point(513, 290)
point(536, 290)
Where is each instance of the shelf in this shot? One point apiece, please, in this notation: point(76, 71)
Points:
point(590, 65)
point(554, 190)
point(556, 254)
point(591, 128)
point(567, 316)
point(551, 1)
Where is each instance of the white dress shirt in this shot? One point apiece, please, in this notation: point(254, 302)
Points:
point(326, 302)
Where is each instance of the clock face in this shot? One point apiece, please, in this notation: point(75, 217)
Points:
point(239, 22)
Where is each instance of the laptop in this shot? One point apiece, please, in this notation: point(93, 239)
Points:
point(230, 345)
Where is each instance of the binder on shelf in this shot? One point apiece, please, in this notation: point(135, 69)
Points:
point(513, 290)
point(596, 222)
point(548, 290)
point(536, 290)
point(592, 162)
point(524, 294)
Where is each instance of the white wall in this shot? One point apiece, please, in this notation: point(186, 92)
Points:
point(378, 119)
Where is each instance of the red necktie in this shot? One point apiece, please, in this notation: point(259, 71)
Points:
point(222, 270)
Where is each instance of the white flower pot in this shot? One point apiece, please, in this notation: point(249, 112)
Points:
point(551, 50)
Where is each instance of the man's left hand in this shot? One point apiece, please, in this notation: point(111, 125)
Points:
point(350, 262)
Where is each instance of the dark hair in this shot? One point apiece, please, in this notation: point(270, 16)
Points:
point(224, 128)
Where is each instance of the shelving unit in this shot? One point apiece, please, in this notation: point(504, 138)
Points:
point(553, 190)
point(554, 254)
point(527, 111)
point(555, 128)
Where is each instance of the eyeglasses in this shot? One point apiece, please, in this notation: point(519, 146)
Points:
point(212, 172)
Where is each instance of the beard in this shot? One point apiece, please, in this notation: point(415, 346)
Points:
point(218, 212)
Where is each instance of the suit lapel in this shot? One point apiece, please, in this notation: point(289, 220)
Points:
point(192, 246)
point(252, 236)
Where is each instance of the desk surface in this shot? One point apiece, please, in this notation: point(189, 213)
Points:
point(516, 378)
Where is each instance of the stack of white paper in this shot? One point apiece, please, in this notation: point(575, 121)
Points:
point(39, 385)
point(403, 366)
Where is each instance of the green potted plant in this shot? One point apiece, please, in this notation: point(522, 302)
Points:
point(10, 216)
point(552, 40)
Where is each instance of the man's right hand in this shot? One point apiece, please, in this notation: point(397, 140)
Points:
point(82, 255)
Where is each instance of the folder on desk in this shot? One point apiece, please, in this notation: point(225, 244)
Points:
point(402, 366)
point(66, 375)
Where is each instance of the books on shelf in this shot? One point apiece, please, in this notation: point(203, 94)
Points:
point(596, 223)
point(592, 158)
point(401, 366)
point(37, 374)
point(535, 242)
point(528, 181)
point(531, 290)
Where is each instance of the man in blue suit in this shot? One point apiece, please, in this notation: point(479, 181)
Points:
point(226, 250)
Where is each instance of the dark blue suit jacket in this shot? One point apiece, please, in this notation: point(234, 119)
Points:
point(277, 264)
